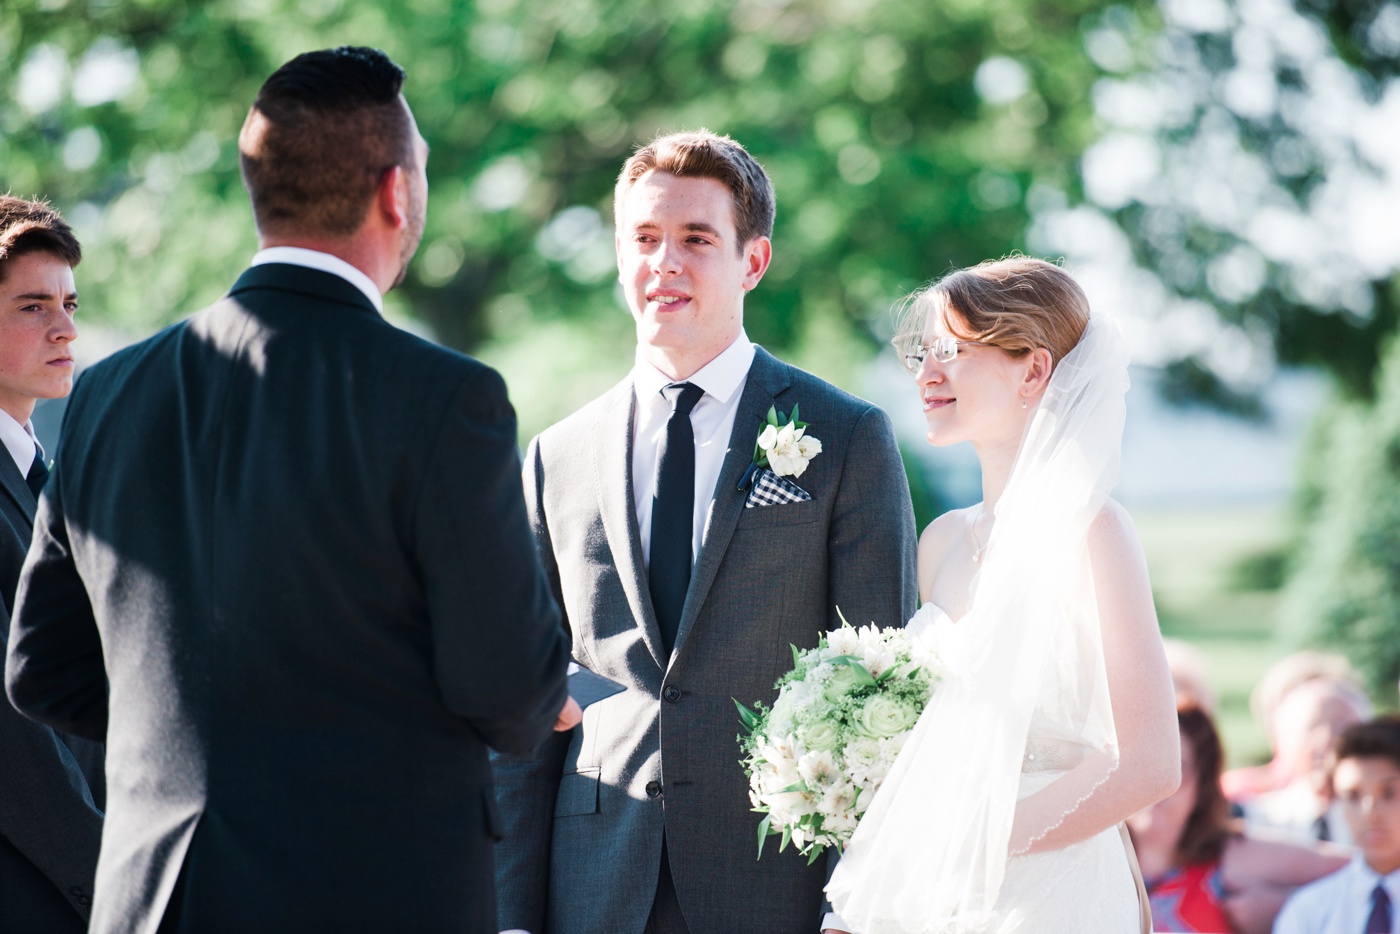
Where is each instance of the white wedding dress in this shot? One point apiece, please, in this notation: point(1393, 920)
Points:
point(1084, 888)
point(1019, 735)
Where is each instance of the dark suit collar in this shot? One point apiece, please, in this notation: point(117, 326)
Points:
point(302, 280)
point(612, 468)
point(768, 377)
point(766, 380)
point(14, 485)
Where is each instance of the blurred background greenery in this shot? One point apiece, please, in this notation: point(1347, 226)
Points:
point(1222, 174)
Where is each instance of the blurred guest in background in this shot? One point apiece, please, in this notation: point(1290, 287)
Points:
point(1190, 676)
point(1307, 724)
point(1244, 783)
point(1202, 873)
point(1361, 897)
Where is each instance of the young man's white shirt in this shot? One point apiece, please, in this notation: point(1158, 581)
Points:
point(1339, 903)
point(712, 420)
point(19, 440)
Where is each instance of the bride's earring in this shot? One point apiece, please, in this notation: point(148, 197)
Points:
point(1023, 403)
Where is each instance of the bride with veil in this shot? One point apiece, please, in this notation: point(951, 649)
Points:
point(1055, 718)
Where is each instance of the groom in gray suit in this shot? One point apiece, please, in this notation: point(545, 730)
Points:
point(685, 573)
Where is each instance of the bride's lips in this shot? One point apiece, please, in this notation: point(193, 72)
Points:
point(937, 402)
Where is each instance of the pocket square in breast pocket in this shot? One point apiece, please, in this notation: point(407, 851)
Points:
point(769, 489)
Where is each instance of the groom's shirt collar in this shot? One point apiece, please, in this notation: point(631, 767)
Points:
point(315, 259)
point(721, 378)
point(19, 441)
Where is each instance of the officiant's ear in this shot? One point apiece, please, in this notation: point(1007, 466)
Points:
point(1038, 364)
point(392, 194)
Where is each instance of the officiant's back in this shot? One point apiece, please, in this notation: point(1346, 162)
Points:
point(301, 533)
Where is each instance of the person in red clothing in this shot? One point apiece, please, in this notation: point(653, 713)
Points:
point(1202, 873)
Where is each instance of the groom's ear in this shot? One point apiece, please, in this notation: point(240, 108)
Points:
point(758, 253)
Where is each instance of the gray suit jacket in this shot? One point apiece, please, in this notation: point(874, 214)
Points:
point(51, 785)
point(586, 816)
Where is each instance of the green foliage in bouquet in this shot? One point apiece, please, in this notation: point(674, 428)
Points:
point(817, 756)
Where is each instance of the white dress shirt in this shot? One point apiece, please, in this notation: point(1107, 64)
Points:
point(1290, 813)
point(712, 420)
point(19, 440)
point(1339, 903)
point(315, 259)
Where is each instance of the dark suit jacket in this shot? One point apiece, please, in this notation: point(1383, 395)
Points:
point(292, 540)
point(50, 784)
point(586, 816)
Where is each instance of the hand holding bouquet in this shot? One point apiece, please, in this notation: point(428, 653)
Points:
point(816, 758)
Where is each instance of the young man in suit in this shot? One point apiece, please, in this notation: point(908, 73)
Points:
point(1361, 897)
point(283, 563)
point(51, 785)
point(685, 574)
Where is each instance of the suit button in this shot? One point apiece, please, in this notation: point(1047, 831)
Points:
point(653, 789)
point(672, 693)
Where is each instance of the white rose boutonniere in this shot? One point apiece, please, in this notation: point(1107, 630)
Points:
point(784, 446)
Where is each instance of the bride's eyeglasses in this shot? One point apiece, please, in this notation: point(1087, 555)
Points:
point(942, 349)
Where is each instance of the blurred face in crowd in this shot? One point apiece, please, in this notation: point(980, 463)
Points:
point(38, 299)
point(1308, 723)
point(682, 269)
point(1368, 789)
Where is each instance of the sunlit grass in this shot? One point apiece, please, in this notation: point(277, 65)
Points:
point(1193, 557)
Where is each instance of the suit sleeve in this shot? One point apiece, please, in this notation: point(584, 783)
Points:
point(528, 784)
point(872, 546)
point(47, 810)
point(499, 652)
point(54, 669)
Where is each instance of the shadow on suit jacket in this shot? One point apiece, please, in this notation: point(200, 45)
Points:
point(51, 785)
point(291, 537)
point(585, 816)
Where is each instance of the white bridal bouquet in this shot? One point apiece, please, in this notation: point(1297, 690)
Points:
point(842, 715)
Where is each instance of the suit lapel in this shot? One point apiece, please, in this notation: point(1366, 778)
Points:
point(613, 475)
point(767, 378)
point(14, 484)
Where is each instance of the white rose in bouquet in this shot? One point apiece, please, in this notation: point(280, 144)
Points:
point(816, 758)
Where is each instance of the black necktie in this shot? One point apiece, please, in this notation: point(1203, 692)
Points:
point(1320, 830)
point(1379, 922)
point(38, 473)
point(672, 513)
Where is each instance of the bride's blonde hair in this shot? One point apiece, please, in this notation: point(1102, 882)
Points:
point(1016, 304)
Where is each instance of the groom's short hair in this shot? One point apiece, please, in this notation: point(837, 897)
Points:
point(703, 154)
point(34, 227)
point(324, 129)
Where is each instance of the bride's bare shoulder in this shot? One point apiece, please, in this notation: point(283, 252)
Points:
point(942, 533)
point(1113, 532)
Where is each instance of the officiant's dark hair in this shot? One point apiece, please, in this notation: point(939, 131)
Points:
point(324, 129)
point(1016, 304)
point(703, 154)
point(34, 227)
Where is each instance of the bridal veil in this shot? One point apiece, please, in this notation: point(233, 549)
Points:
point(931, 852)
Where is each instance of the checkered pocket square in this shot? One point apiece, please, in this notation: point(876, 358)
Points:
point(769, 489)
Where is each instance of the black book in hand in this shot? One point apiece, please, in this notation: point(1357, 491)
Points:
point(589, 688)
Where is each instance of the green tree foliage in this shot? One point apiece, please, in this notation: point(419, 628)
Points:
point(1345, 586)
point(903, 137)
point(1265, 173)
